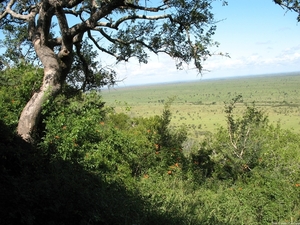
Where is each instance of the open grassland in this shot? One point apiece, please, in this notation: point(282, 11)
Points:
point(200, 105)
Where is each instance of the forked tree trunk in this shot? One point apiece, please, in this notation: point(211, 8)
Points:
point(51, 86)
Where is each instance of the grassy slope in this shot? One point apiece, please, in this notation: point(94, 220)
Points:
point(199, 105)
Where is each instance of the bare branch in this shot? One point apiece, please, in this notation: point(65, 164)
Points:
point(72, 12)
point(108, 37)
point(63, 24)
point(55, 42)
point(92, 21)
point(231, 137)
point(114, 40)
point(104, 11)
point(8, 10)
point(5, 12)
point(99, 47)
point(3, 15)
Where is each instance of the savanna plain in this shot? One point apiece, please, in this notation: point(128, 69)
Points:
point(200, 105)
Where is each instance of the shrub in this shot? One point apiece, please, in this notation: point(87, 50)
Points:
point(83, 131)
point(16, 87)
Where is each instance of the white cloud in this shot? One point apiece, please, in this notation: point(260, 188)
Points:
point(162, 68)
point(286, 57)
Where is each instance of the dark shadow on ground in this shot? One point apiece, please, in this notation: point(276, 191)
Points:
point(37, 190)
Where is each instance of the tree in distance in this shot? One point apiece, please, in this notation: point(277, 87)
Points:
point(62, 36)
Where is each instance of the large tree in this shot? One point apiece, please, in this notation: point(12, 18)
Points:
point(58, 30)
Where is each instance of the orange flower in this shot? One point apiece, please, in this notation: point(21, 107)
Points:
point(146, 176)
point(148, 131)
point(169, 172)
point(57, 137)
point(156, 152)
point(64, 127)
point(297, 185)
point(156, 146)
point(176, 164)
point(102, 123)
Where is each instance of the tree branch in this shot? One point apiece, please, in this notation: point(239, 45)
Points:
point(99, 47)
point(149, 9)
point(85, 65)
point(63, 24)
point(72, 3)
point(92, 21)
point(288, 6)
point(133, 17)
point(8, 10)
point(117, 40)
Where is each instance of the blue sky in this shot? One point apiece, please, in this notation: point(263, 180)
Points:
point(260, 37)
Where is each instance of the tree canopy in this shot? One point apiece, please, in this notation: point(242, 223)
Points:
point(62, 35)
point(122, 29)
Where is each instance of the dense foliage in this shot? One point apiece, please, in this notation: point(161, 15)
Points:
point(17, 86)
point(92, 165)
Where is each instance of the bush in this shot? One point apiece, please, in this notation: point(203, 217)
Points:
point(16, 87)
point(235, 150)
point(83, 131)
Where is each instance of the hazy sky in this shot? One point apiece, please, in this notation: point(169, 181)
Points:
point(260, 37)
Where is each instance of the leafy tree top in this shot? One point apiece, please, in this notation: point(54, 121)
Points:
point(120, 28)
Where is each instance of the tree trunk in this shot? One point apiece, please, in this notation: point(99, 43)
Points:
point(51, 86)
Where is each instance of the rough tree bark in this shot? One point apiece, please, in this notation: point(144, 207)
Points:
point(51, 86)
point(56, 67)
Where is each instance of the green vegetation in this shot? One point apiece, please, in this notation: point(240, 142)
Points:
point(200, 105)
point(65, 37)
point(91, 164)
